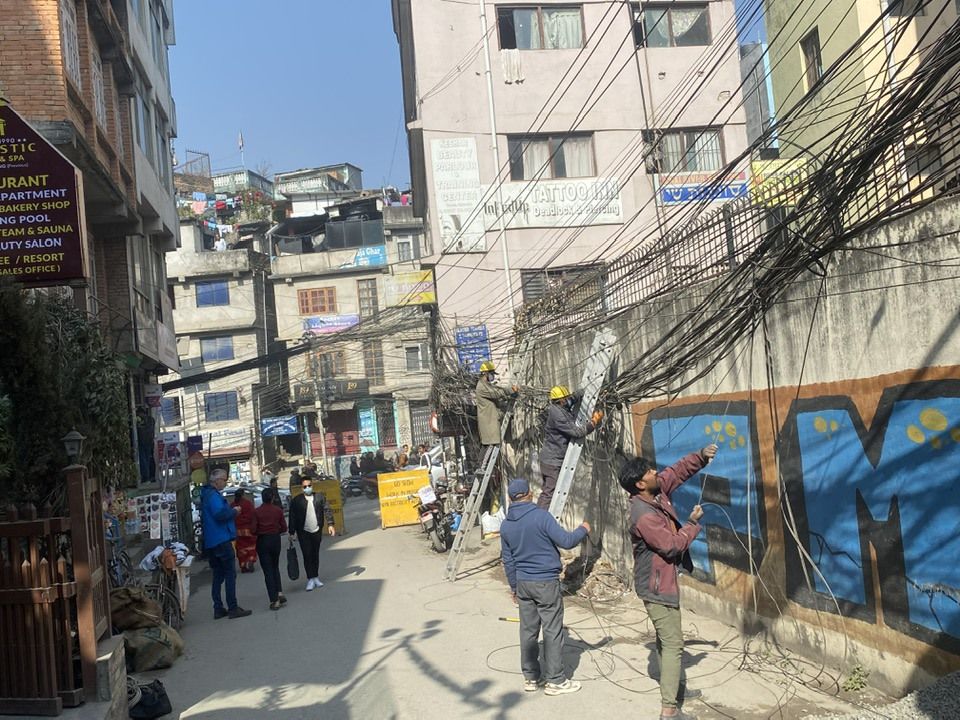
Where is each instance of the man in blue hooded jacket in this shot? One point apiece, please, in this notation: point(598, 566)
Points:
point(219, 532)
point(529, 542)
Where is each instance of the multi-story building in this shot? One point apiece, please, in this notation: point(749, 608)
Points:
point(224, 314)
point(311, 191)
point(237, 181)
point(609, 120)
point(92, 77)
point(355, 269)
point(812, 39)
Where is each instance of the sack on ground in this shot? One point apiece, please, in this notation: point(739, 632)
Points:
point(147, 701)
point(293, 563)
point(130, 608)
point(152, 648)
point(489, 524)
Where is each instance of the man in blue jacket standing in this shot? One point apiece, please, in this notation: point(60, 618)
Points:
point(529, 541)
point(219, 532)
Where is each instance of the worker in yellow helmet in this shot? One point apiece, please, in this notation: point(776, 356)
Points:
point(490, 397)
point(561, 427)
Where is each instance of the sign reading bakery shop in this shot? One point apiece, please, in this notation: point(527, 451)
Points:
point(41, 234)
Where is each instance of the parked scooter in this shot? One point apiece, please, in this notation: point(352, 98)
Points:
point(435, 521)
point(351, 486)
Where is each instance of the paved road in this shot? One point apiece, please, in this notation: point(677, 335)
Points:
point(387, 638)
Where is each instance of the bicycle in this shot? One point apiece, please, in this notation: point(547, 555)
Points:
point(163, 589)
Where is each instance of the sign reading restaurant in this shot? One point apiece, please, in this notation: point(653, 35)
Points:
point(41, 235)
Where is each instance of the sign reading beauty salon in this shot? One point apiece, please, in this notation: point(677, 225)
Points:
point(41, 233)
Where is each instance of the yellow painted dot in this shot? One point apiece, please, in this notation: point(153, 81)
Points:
point(733, 444)
point(933, 419)
point(955, 434)
point(741, 441)
point(935, 441)
point(915, 434)
point(721, 438)
point(833, 426)
point(707, 430)
point(819, 424)
point(717, 426)
point(730, 429)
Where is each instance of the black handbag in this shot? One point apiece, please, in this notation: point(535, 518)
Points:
point(293, 563)
point(153, 701)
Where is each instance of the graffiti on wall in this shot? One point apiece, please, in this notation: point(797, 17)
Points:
point(877, 508)
point(730, 485)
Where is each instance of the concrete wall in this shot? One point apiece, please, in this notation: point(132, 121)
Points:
point(844, 454)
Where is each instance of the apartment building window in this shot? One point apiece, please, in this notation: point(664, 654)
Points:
point(99, 91)
point(156, 34)
point(586, 281)
point(417, 357)
point(144, 123)
point(70, 41)
point(674, 25)
point(213, 293)
point(908, 8)
point(695, 150)
point(170, 413)
point(367, 297)
point(163, 152)
point(550, 156)
point(923, 160)
point(407, 248)
point(216, 349)
point(812, 62)
point(317, 301)
point(547, 27)
point(220, 406)
point(327, 364)
point(373, 361)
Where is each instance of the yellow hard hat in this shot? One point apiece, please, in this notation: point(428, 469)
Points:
point(559, 392)
point(487, 366)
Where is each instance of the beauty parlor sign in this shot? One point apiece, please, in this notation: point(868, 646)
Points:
point(41, 233)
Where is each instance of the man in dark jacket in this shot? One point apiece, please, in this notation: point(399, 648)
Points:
point(560, 428)
point(529, 538)
point(660, 546)
point(219, 532)
point(307, 512)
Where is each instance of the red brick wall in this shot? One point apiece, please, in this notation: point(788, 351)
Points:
point(31, 69)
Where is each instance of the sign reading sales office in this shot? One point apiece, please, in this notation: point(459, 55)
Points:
point(40, 227)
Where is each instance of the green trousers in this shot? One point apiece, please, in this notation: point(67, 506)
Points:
point(666, 621)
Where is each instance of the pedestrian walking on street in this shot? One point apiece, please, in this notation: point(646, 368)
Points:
point(560, 428)
point(307, 511)
point(270, 526)
point(661, 545)
point(529, 542)
point(246, 537)
point(219, 532)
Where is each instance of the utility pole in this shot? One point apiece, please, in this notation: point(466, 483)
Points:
point(501, 223)
point(318, 405)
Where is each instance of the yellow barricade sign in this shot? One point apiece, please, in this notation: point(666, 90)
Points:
point(396, 506)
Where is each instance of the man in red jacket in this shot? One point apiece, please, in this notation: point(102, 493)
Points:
point(660, 546)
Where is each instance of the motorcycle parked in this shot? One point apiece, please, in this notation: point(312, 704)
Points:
point(351, 486)
point(436, 522)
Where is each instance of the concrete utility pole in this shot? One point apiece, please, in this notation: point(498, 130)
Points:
point(318, 405)
point(501, 223)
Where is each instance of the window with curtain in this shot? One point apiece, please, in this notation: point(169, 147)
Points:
point(674, 25)
point(216, 349)
point(540, 27)
point(550, 156)
point(696, 150)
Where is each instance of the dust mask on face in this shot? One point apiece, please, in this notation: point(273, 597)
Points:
point(308, 491)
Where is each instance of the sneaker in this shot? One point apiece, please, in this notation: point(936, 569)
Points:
point(219, 613)
point(310, 585)
point(282, 599)
point(238, 612)
point(567, 686)
point(532, 685)
point(317, 583)
point(275, 605)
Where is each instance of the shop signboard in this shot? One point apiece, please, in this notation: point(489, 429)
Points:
point(369, 437)
point(411, 288)
point(702, 187)
point(395, 489)
point(326, 324)
point(456, 184)
point(274, 426)
point(473, 346)
point(41, 195)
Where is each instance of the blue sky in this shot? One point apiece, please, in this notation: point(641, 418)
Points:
point(309, 82)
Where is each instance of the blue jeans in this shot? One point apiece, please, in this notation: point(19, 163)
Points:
point(224, 568)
